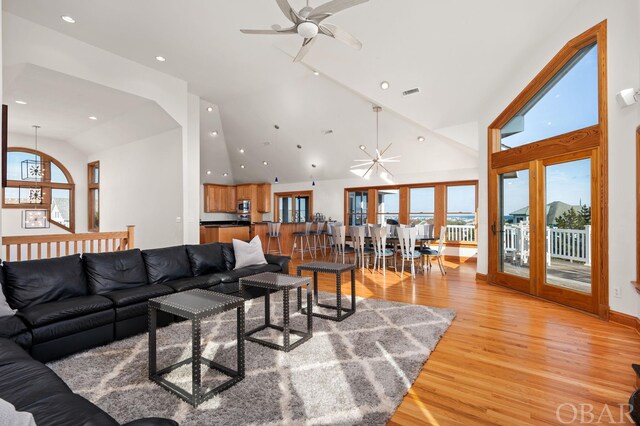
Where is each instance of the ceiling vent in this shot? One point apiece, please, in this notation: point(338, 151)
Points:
point(327, 132)
point(411, 92)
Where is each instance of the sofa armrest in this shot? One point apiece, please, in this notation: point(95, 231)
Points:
point(281, 261)
point(152, 421)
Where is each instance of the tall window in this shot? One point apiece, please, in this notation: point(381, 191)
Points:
point(422, 206)
point(57, 190)
point(388, 206)
point(294, 207)
point(461, 213)
point(94, 196)
point(357, 208)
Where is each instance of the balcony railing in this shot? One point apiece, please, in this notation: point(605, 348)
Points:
point(465, 233)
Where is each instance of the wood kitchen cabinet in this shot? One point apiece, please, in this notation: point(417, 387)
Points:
point(219, 198)
point(244, 192)
point(264, 198)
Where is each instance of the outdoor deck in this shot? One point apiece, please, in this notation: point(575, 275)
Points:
point(573, 275)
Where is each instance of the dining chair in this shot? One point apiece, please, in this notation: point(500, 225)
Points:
point(273, 232)
point(408, 253)
point(380, 250)
point(318, 236)
point(301, 237)
point(438, 254)
point(340, 242)
point(358, 236)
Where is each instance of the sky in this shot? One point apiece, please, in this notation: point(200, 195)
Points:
point(570, 105)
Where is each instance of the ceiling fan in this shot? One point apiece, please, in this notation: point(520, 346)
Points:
point(377, 160)
point(308, 23)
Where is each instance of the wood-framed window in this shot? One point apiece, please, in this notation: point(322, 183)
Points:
point(293, 207)
point(58, 188)
point(94, 196)
point(440, 203)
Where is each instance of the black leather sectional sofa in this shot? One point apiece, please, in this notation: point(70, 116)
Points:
point(73, 303)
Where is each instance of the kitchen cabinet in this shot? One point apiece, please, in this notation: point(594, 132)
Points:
point(244, 192)
point(264, 198)
point(219, 198)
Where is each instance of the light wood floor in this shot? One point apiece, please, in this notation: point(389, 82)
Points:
point(507, 358)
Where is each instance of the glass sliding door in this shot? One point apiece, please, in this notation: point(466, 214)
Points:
point(357, 208)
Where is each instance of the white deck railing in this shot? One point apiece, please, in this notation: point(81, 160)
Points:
point(566, 244)
point(461, 233)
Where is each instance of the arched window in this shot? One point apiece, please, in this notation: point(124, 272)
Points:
point(58, 189)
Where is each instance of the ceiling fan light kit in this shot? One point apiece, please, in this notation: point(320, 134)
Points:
point(308, 23)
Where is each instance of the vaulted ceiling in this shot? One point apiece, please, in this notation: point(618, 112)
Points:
point(454, 51)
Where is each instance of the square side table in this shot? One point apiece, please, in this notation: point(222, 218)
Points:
point(337, 269)
point(285, 283)
point(195, 305)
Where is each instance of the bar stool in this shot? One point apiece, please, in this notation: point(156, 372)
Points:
point(318, 236)
point(302, 236)
point(273, 232)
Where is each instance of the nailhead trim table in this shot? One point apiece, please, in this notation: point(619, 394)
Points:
point(337, 269)
point(285, 283)
point(196, 305)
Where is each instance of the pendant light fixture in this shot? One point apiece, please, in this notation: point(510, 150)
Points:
point(34, 170)
point(376, 160)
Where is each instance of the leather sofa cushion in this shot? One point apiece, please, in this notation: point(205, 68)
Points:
point(26, 381)
point(166, 264)
point(204, 281)
point(206, 259)
point(281, 261)
point(68, 327)
point(229, 256)
point(47, 313)
point(11, 326)
point(68, 409)
point(33, 282)
point(114, 271)
point(138, 294)
point(234, 276)
point(11, 352)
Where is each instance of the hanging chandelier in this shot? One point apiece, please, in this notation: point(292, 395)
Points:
point(35, 170)
point(378, 160)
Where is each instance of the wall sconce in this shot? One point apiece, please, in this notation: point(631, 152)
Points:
point(627, 97)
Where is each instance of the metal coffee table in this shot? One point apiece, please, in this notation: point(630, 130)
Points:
point(196, 305)
point(337, 269)
point(285, 283)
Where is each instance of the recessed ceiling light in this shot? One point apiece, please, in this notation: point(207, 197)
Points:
point(420, 138)
point(225, 174)
point(242, 166)
point(265, 163)
point(214, 133)
point(160, 58)
point(208, 172)
point(21, 102)
point(241, 150)
point(316, 73)
point(209, 109)
point(384, 85)
point(93, 117)
point(362, 147)
point(68, 19)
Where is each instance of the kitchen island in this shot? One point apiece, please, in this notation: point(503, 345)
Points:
point(224, 232)
point(286, 237)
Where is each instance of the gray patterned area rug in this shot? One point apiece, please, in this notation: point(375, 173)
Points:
point(353, 372)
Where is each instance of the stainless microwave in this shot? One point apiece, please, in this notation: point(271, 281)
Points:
point(244, 206)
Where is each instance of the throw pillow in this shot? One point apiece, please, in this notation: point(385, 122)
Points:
point(248, 254)
point(10, 416)
point(5, 309)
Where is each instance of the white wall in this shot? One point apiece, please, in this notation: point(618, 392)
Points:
point(623, 71)
point(141, 184)
point(75, 162)
point(27, 42)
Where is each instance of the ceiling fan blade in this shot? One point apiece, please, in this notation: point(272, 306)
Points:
point(288, 11)
point(330, 8)
point(264, 32)
point(306, 46)
point(343, 36)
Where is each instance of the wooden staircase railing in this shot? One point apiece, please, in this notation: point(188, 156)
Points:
point(29, 247)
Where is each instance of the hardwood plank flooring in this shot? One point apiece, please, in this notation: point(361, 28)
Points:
point(508, 358)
